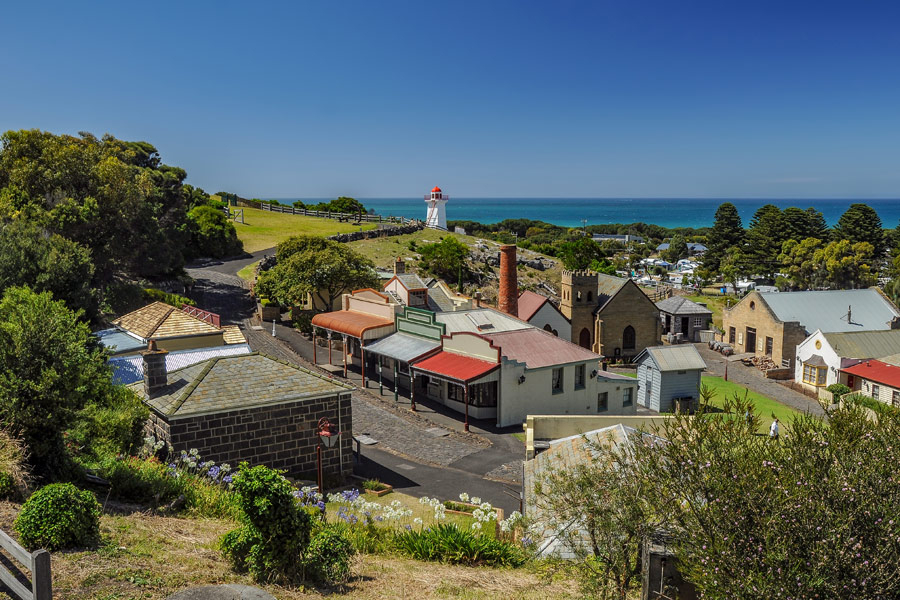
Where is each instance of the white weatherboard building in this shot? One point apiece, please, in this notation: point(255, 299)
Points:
point(437, 209)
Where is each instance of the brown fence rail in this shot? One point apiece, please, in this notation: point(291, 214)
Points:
point(37, 562)
point(324, 214)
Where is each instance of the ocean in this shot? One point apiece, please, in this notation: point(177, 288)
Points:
point(569, 212)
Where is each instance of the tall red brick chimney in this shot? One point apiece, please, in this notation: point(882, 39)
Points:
point(509, 281)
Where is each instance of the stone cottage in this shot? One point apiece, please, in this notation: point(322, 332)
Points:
point(252, 408)
point(669, 377)
point(679, 315)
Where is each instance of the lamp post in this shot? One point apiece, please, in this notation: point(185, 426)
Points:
point(329, 435)
point(396, 380)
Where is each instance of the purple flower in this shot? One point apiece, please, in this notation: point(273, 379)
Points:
point(213, 472)
point(321, 505)
point(227, 479)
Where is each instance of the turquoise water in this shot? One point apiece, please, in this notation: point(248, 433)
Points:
point(569, 212)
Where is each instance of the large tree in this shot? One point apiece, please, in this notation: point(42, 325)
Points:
point(448, 259)
point(766, 235)
point(50, 368)
point(677, 249)
point(311, 265)
point(47, 262)
point(801, 268)
point(802, 224)
point(212, 234)
point(727, 232)
point(860, 223)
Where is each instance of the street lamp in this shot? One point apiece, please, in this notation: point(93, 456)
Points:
point(329, 435)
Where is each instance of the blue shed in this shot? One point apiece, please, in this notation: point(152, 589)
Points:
point(669, 373)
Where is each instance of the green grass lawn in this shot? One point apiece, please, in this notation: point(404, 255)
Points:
point(264, 229)
point(714, 303)
point(247, 272)
point(766, 407)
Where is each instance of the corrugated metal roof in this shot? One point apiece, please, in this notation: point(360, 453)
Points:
point(827, 310)
point(864, 344)
point(493, 321)
point(438, 300)
point(679, 305)
point(129, 369)
point(455, 366)
point(529, 303)
point(353, 323)
point(674, 358)
point(403, 347)
point(537, 348)
point(877, 371)
point(119, 341)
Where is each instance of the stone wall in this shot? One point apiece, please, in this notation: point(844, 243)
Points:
point(281, 436)
point(630, 306)
point(752, 311)
point(376, 233)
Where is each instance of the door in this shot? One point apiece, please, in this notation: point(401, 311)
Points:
point(750, 342)
point(668, 324)
point(769, 344)
point(685, 327)
point(584, 338)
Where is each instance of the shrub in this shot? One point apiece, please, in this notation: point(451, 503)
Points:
point(212, 234)
point(373, 485)
point(327, 558)
point(446, 542)
point(110, 425)
point(59, 516)
point(837, 390)
point(276, 527)
point(176, 300)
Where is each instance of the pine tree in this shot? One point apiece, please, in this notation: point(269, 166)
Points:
point(765, 237)
point(727, 231)
point(861, 224)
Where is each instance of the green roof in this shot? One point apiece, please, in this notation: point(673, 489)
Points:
point(237, 382)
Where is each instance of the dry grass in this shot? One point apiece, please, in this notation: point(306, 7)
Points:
point(148, 557)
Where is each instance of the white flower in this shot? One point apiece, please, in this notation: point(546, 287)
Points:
point(476, 500)
point(424, 500)
point(476, 525)
point(464, 497)
point(504, 526)
point(486, 506)
point(417, 521)
point(478, 514)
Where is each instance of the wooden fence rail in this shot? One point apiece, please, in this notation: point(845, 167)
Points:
point(37, 562)
point(354, 217)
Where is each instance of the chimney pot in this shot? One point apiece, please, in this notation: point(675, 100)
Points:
point(509, 281)
point(399, 266)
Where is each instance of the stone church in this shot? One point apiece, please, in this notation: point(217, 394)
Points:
point(610, 315)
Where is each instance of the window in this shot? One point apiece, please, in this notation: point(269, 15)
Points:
point(579, 377)
point(876, 391)
point(547, 327)
point(731, 335)
point(628, 338)
point(602, 402)
point(590, 296)
point(895, 398)
point(698, 321)
point(769, 345)
point(557, 384)
point(815, 375)
point(627, 396)
point(456, 392)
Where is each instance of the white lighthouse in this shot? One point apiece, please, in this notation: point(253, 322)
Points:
point(437, 211)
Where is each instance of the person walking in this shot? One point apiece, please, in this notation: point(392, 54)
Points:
point(773, 430)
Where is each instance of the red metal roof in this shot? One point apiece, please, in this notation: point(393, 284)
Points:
point(530, 303)
point(456, 366)
point(436, 189)
point(350, 322)
point(538, 348)
point(877, 371)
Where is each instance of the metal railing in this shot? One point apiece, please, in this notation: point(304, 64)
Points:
point(37, 562)
point(204, 315)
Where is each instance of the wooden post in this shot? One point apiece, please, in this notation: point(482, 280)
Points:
point(344, 353)
point(42, 583)
point(315, 362)
point(396, 380)
point(329, 347)
point(466, 398)
point(362, 361)
point(412, 390)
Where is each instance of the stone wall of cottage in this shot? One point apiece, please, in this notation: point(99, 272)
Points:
point(281, 437)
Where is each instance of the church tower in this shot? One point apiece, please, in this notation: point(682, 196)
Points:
point(437, 209)
point(577, 303)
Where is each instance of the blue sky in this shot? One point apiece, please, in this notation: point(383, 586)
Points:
point(565, 99)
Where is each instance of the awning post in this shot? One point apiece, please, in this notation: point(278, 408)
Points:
point(466, 398)
point(314, 347)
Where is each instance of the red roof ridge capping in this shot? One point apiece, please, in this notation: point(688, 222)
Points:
point(877, 371)
point(456, 366)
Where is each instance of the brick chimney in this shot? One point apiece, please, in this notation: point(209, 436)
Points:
point(154, 369)
point(509, 281)
point(399, 266)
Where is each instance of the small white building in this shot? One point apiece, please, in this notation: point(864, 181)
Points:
point(436, 217)
point(538, 311)
point(667, 375)
point(505, 376)
point(822, 356)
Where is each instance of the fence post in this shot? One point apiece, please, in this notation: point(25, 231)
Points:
point(42, 586)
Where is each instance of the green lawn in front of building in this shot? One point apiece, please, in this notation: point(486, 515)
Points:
point(765, 407)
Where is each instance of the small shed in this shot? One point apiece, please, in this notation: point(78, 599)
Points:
point(669, 377)
point(680, 315)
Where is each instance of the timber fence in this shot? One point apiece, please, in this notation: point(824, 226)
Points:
point(324, 214)
point(37, 562)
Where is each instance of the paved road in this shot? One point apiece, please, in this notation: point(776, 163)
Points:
point(444, 466)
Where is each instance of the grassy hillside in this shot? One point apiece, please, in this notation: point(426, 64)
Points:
point(151, 557)
point(264, 229)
